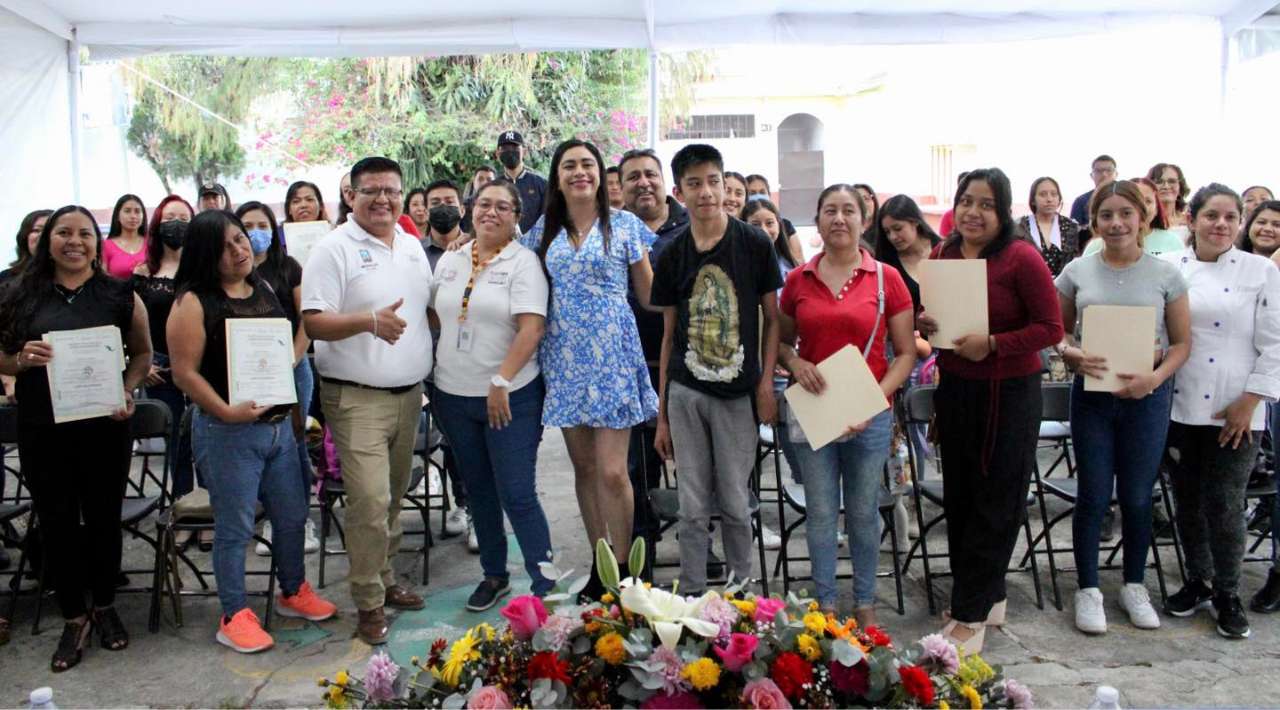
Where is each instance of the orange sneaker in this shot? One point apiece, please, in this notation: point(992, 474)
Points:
point(244, 633)
point(306, 604)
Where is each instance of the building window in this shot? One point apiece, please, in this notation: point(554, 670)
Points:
point(706, 127)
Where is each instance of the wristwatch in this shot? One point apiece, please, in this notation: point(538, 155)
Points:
point(500, 382)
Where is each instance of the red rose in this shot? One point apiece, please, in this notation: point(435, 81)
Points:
point(877, 637)
point(546, 664)
point(915, 680)
point(854, 680)
point(791, 672)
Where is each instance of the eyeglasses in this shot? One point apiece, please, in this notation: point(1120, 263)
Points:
point(1168, 182)
point(502, 208)
point(375, 192)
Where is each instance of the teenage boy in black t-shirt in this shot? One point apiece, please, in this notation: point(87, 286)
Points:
point(713, 281)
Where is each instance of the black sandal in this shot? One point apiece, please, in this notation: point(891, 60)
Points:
point(71, 645)
point(111, 632)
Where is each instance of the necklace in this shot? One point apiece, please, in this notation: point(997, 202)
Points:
point(69, 295)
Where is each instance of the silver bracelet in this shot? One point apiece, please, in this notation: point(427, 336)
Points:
point(375, 321)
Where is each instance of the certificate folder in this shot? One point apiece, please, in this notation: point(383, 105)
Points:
point(1125, 336)
point(954, 293)
point(260, 361)
point(852, 396)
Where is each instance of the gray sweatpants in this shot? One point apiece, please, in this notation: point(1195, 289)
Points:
point(1208, 486)
point(715, 445)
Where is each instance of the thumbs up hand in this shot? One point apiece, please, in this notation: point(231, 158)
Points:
point(387, 325)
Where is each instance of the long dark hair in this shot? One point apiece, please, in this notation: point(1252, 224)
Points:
point(155, 245)
point(556, 216)
point(1003, 194)
point(1031, 198)
point(293, 192)
point(23, 230)
point(20, 296)
point(903, 209)
point(781, 243)
point(116, 229)
point(274, 262)
point(1183, 189)
point(1246, 244)
point(202, 251)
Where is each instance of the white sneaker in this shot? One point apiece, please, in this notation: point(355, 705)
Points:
point(772, 540)
point(473, 543)
point(1135, 600)
point(262, 549)
point(1090, 616)
point(310, 543)
point(455, 523)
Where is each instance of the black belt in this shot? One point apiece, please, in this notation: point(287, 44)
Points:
point(392, 390)
point(274, 418)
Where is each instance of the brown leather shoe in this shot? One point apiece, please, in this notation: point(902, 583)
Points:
point(399, 597)
point(372, 626)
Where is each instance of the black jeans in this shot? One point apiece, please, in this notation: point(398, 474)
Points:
point(643, 460)
point(446, 451)
point(77, 473)
point(987, 431)
point(183, 471)
point(1208, 486)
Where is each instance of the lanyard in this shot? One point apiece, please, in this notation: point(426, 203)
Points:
point(476, 268)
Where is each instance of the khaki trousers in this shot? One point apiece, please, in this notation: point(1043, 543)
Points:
point(374, 431)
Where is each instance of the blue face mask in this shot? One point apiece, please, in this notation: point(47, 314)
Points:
point(757, 196)
point(259, 240)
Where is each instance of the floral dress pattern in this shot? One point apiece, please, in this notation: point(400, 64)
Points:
point(590, 356)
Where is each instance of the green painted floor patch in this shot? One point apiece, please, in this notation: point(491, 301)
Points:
point(300, 637)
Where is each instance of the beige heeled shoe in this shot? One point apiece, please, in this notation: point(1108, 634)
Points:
point(995, 617)
point(970, 644)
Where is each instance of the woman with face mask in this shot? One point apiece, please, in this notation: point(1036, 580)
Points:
point(153, 282)
point(283, 274)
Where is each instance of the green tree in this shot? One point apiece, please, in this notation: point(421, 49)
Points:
point(440, 116)
point(178, 139)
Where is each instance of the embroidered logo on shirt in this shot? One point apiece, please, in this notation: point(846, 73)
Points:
point(448, 275)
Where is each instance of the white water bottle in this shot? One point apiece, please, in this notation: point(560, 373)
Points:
point(42, 699)
point(1107, 698)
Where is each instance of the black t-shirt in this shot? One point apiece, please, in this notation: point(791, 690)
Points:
point(218, 307)
point(156, 293)
point(101, 301)
point(716, 348)
point(533, 190)
point(648, 323)
point(283, 281)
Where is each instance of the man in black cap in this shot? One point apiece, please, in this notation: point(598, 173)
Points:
point(213, 196)
point(532, 187)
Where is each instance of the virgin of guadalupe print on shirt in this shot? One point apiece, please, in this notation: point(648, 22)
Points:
point(715, 352)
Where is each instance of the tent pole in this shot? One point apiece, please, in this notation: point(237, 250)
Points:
point(73, 104)
point(654, 116)
point(1224, 65)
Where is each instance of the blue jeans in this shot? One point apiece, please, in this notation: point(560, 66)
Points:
point(852, 468)
point(182, 470)
point(498, 467)
point(244, 464)
point(305, 382)
point(1118, 445)
point(784, 435)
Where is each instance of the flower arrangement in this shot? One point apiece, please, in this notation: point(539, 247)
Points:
point(639, 646)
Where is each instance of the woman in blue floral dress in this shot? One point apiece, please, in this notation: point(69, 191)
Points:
point(597, 382)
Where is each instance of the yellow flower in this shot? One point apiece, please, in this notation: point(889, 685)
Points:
point(813, 606)
point(610, 649)
point(808, 647)
point(816, 623)
point(975, 671)
point(942, 705)
point(607, 598)
point(342, 678)
point(462, 652)
point(975, 700)
point(336, 698)
point(322, 682)
point(488, 631)
point(702, 673)
point(745, 607)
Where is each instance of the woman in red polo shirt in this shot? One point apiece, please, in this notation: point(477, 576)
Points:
point(845, 297)
point(988, 402)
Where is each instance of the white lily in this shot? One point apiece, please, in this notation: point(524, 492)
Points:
point(669, 614)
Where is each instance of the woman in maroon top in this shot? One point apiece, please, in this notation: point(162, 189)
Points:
point(988, 402)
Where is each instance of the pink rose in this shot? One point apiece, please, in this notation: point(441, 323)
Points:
point(679, 701)
point(766, 609)
point(488, 697)
point(764, 694)
point(739, 652)
point(525, 614)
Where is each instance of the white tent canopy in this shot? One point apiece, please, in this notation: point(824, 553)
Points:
point(40, 51)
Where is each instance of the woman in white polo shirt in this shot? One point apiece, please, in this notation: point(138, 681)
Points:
point(491, 299)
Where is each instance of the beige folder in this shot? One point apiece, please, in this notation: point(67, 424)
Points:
point(852, 396)
point(954, 293)
point(1125, 336)
point(300, 237)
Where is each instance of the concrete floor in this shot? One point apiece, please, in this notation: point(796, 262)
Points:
point(1184, 664)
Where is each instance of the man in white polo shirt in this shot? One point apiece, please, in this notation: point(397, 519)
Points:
point(364, 300)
